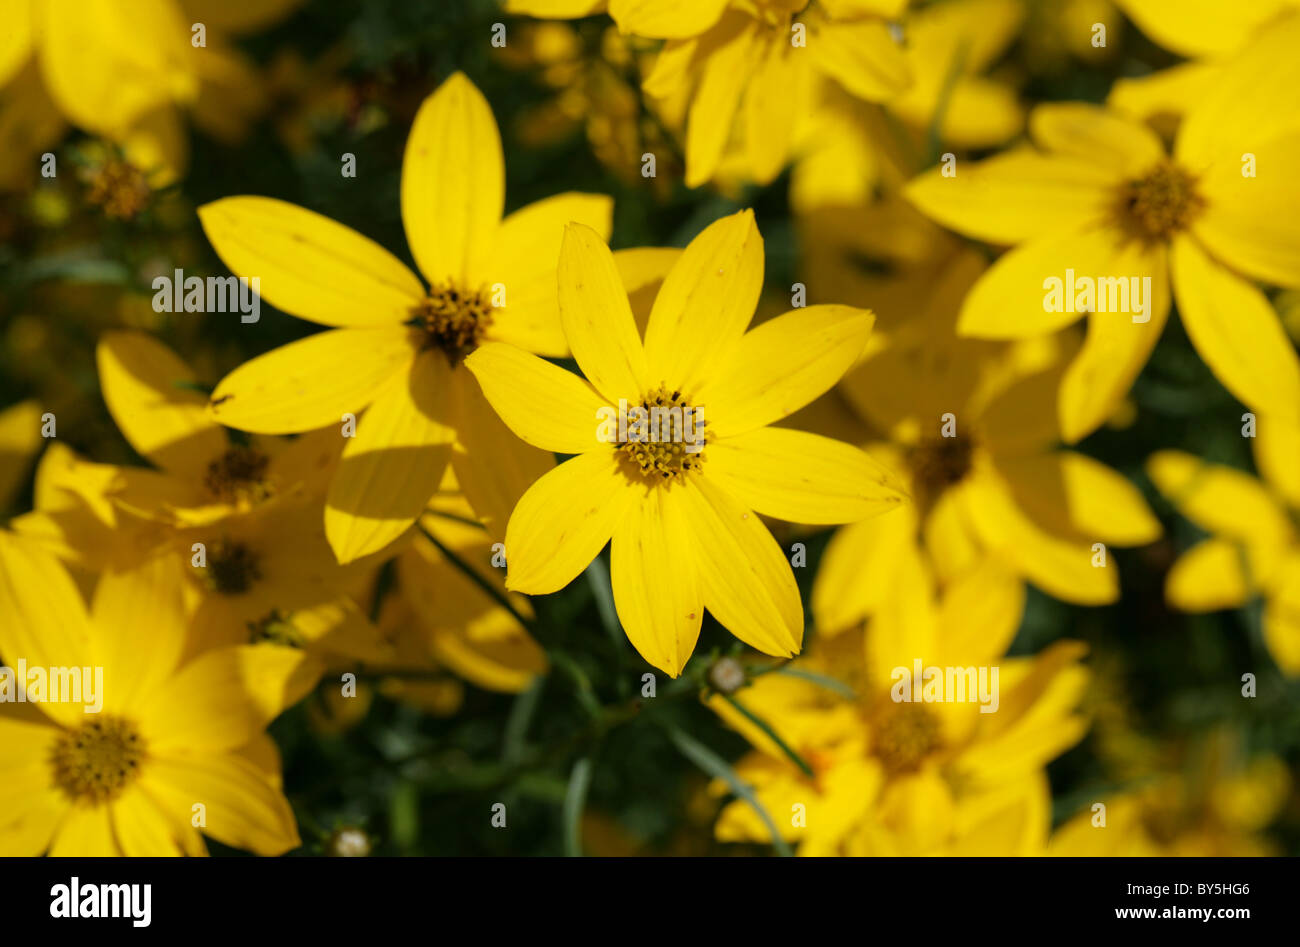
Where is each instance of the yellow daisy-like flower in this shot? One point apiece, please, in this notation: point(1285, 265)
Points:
point(1254, 546)
point(977, 441)
point(177, 748)
point(911, 777)
point(753, 62)
point(682, 516)
point(398, 347)
point(1101, 197)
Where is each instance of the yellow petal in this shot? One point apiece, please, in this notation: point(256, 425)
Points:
point(1015, 196)
point(727, 61)
point(1061, 568)
point(1236, 331)
point(643, 270)
point(308, 265)
point(241, 806)
point(525, 255)
point(771, 107)
point(1210, 576)
point(597, 318)
point(542, 403)
point(1240, 226)
point(979, 615)
point(666, 19)
point(1073, 495)
point(1095, 134)
point(42, 618)
point(863, 57)
point(656, 588)
point(705, 303)
point(1220, 499)
point(224, 698)
point(493, 466)
point(1277, 456)
point(141, 827)
point(86, 832)
point(857, 569)
point(20, 439)
point(746, 580)
point(394, 464)
point(453, 184)
point(800, 477)
point(782, 365)
point(1196, 28)
point(564, 520)
point(140, 628)
point(1116, 348)
point(1173, 91)
point(312, 382)
point(142, 383)
point(16, 40)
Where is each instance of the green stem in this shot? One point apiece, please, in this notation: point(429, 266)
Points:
point(472, 574)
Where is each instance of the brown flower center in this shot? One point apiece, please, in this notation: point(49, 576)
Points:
point(119, 187)
point(1159, 205)
point(239, 476)
point(232, 568)
point(662, 438)
point(452, 319)
point(903, 735)
point(95, 762)
point(939, 463)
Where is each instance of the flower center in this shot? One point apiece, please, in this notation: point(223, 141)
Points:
point(663, 437)
point(275, 629)
point(903, 735)
point(118, 187)
point(452, 319)
point(98, 760)
point(238, 476)
point(232, 568)
point(939, 463)
point(1163, 203)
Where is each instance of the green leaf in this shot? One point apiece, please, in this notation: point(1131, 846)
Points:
point(574, 801)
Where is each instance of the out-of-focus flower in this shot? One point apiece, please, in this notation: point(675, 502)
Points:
point(172, 731)
point(672, 508)
point(1253, 548)
point(398, 350)
point(1104, 199)
point(20, 439)
point(893, 776)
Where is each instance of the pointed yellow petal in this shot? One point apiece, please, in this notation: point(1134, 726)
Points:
point(857, 569)
point(493, 466)
point(564, 520)
point(1220, 499)
point(1277, 456)
point(140, 628)
point(802, 478)
point(863, 57)
point(16, 40)
point(1210, 576)
point(597, 318)
point(656, 590)
point(1095, 134)
point(772, 103)
point(705, 303)
point(782, 365)
point(165, 422)
point(726, 58)
point(1015, 196)
point(86, 832)
point(394, 464)
point(666, 19)
point(746, 580)
point(142, 828)
point(1197, 28)
point(453, 184)
point(1236, 331)
point(312, 382)
point(541, 402)
point(242, 807)
point(308, 265)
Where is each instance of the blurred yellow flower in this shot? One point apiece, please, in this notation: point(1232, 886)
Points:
point(177, 748)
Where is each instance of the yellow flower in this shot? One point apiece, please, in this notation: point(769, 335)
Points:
point(975, 432)
point(1203, 27)
point(1104, 199)
point(906, 777)
point(1253, 548)
point(681, 516)
point(204, 477)
point(173, 733)
point(398, 347)
point(753, 63)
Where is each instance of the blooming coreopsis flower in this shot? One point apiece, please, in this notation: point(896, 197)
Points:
point(177, 748)
point(681, 516)
point(1101, 196)
point(398, 345)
